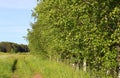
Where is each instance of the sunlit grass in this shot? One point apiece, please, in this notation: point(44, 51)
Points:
point(29, 65)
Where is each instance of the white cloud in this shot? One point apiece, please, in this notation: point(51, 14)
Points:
point(17, 4)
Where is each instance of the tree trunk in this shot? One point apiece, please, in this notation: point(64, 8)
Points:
point(118, 59)
point(119, 72)
point(84, 64)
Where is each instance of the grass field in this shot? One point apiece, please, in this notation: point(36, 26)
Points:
point(26, 66)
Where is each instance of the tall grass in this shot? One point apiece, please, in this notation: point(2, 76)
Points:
point(29, 65)
point(5, 68)
point(53, 69)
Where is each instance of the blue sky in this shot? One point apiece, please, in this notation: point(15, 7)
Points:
point(15, 18)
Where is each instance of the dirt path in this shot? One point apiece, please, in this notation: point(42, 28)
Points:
point(37, 76)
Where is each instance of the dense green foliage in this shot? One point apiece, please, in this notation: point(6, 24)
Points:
point(13, 47)
point(78, 30)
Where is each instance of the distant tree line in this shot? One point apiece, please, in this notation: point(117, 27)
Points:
point(13, 47)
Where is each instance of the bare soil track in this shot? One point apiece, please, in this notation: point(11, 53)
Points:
point(37, 76)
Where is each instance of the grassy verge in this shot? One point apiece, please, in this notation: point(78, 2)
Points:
point(28, 65)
